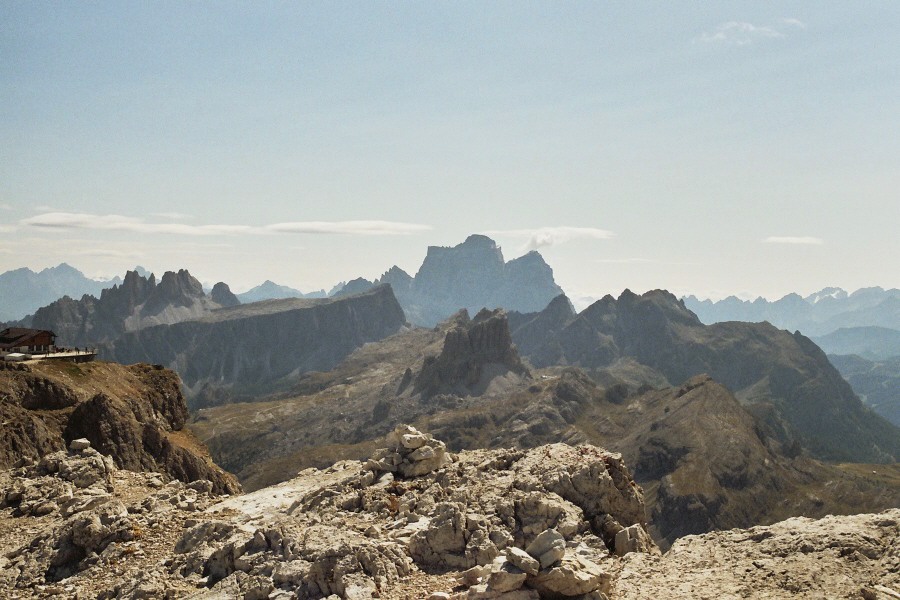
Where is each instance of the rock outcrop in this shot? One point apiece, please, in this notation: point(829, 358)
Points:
point(856, 556)
point(261, 347)
point(473, 350)
point(221, 294)
point(133, 415)
point(74, 525)
point(508, 524)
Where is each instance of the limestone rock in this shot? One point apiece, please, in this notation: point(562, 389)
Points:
point(523, 560)
point(473, 350)
point(573, 577)
point(411, 453)
point(633, 538)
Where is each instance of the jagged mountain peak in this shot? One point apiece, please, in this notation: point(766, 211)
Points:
point(473, 350)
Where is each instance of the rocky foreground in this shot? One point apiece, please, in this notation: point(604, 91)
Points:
point(413, 522)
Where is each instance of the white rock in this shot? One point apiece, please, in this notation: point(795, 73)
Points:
point(549, 547)
point(523, 560)
point(79, 444)
point(413, 440)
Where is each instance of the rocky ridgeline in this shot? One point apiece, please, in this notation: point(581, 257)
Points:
point(135, 415)
point(413, 522)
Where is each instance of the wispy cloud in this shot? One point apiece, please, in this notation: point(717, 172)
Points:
point(790, 22)
point(800, 240)
point(741, 33)
point(4, 206)
point(349, 227)
point(7, 228)
point(174, 216)
point(119, 223)
point(542, 237)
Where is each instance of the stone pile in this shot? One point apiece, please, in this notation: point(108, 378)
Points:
point(410, 453)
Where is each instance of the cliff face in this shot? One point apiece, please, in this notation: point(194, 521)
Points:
point(473, 350)
point(782, 374)
point(138, 302)
point(134, 414)
point(253, 349)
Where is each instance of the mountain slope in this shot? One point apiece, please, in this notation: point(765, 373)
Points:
point(703, 458)
point(134, 414)
point(874, 343)
point(784, 375)
point(876, 382)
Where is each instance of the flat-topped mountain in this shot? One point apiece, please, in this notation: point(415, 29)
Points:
point(23, 291)
point(253, 349)
point(471, 275)
point(139, 301)
point(781, 375)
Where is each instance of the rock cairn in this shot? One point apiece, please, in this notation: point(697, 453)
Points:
point(410, 453)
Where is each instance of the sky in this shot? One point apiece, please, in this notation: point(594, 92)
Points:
point(717, 148)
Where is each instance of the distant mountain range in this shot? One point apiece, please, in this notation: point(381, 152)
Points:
point(471, 275)
point(23, 291)
point(815, 315)
point(269, 290)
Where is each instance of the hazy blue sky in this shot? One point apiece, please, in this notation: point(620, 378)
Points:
point(734, 147)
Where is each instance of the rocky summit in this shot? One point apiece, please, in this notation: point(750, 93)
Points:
point(412, 522)
point(471, 275)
